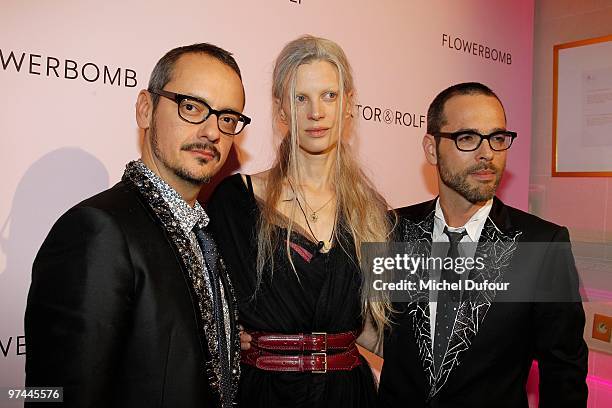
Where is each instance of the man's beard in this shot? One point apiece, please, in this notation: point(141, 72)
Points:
point(459, 181)
point(179, 171)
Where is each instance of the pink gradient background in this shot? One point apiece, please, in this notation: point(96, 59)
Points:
point(63, 140)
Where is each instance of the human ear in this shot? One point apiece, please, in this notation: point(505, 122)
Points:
point(349, 105)
point(430, 149)
point(280, 112)
point(144, 109)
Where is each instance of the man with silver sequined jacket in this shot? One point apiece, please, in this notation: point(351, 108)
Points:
point(130, 304)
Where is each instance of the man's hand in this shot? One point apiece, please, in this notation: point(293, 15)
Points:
point(245, 339)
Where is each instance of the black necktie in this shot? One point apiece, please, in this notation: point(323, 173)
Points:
point(211, 259)
point(448, 301)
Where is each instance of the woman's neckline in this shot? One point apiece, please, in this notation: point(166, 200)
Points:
point(259, 203)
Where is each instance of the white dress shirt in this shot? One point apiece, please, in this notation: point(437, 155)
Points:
point(473, 227)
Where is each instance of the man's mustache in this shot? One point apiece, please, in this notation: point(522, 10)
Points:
point(203, 146)
point(482, 166)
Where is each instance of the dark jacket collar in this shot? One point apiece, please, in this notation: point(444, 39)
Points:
point(498, 215)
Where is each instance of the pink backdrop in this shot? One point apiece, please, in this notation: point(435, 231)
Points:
point(64, 139)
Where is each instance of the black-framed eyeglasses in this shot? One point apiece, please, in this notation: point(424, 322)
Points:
point(196, 111)
point(469, 140)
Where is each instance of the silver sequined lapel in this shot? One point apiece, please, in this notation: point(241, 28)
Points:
point(195, 273)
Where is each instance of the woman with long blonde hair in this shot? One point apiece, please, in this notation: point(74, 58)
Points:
point(291, 237)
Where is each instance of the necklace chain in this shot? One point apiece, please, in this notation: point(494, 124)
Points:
point(322, 245)
point(313, 213)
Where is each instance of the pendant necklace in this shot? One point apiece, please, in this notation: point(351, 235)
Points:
point(313, 216)
point(322, 246)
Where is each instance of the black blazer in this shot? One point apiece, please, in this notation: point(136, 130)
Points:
point(493, 341)
point(111, 314)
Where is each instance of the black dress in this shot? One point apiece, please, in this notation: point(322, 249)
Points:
point(325, 299)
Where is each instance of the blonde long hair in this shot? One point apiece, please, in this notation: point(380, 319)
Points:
point(360, 209)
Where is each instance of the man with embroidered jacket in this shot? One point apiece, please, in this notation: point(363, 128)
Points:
point(130, 304)
point(478, 352)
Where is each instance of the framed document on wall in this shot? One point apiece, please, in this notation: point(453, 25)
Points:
point(582, 108)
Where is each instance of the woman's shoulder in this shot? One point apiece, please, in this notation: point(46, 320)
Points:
point(239, 189)
point(258, 181)
point(231, 192)
point(230, 186)
point(230, 211)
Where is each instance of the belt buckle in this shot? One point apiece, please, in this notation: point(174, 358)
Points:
point(324, 355)
point(324, 334)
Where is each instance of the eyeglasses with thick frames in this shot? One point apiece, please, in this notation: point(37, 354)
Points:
point(469, 140)
point(196, 111)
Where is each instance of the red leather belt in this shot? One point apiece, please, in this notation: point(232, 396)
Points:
point(303, 341)
point(262, 355)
